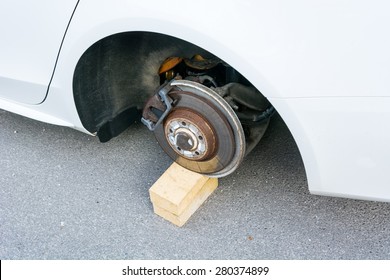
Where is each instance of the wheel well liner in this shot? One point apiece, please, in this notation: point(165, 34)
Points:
point(119, 73)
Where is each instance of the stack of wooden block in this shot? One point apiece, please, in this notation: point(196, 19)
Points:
point(179, 192)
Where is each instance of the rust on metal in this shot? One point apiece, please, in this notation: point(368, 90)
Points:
point(156, 103)
point(203, 132)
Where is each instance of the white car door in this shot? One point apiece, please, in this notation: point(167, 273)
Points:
point(31, 33)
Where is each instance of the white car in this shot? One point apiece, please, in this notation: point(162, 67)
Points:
point(208, 75)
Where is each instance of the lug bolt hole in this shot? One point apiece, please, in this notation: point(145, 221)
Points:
point(170, 130)
point(183, 123)
point(200, 137)
point(197, 153)
point(179, 148)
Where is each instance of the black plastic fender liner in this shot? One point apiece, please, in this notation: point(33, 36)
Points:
point(115, 126)
point(121, 71)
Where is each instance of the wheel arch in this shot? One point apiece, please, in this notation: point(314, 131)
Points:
point(82, 44)
point(105, 51)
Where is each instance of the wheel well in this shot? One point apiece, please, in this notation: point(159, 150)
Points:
point(120, 72)
point(115, 77)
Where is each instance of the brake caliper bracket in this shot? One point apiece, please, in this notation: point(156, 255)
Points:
point(163, 104)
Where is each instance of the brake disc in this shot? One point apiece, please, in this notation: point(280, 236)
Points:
point(201, 132)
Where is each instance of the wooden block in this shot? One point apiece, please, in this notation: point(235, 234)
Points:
point(176, 188)
point(197, 201)
point(178, 193)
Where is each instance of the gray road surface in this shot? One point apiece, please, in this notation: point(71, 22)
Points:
point(64, 195)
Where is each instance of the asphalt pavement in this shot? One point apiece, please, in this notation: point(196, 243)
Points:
point(65, 195)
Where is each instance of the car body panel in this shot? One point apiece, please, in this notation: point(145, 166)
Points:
point(324, 65)
point(344, 143)
point(31, 35)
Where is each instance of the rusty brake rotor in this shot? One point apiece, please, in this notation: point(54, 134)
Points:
point(201, 132)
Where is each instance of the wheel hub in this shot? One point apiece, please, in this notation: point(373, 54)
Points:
point(190, 135)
